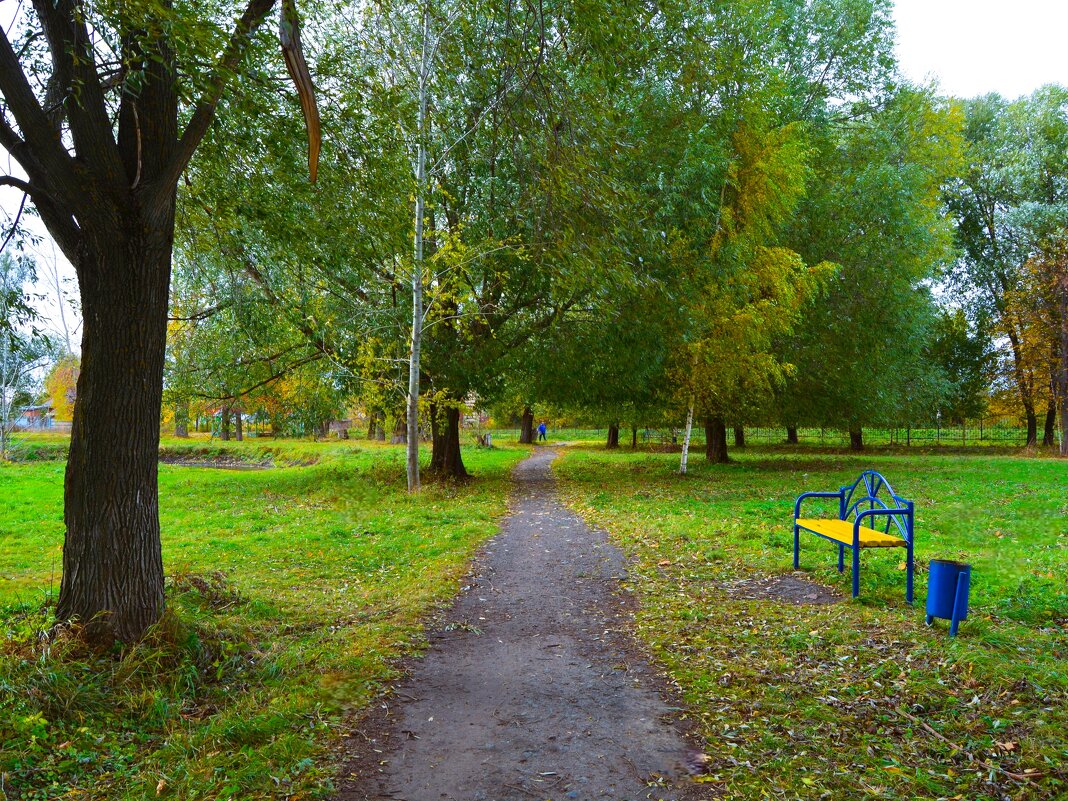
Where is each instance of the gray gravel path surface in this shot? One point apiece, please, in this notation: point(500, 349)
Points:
point(532, 688)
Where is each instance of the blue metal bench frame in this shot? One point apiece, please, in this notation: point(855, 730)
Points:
point(872, 485)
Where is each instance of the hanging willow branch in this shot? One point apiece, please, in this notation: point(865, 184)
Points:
point(289, 36)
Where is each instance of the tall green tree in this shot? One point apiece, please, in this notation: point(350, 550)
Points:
point(873, 209)
point(1006, 205)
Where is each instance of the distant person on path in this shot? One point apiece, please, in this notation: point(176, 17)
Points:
point(541, 431)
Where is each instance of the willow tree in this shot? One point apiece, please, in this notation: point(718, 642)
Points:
point(1009, 197)
point(96, 114)
point(873, 208)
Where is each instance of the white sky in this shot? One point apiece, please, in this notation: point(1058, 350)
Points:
point(970, 47)
point(974, 47)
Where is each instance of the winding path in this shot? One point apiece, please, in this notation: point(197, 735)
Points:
point(533, 689)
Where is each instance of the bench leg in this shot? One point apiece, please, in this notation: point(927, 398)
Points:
point(908, 577)
point(797, 548)
point(856, 572)
point(841, 558)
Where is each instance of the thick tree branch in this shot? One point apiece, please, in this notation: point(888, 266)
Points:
point(76, 84)
point(204, 113)
point(18, 183)
point(38, 136)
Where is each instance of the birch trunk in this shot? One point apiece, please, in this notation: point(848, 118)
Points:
point(1062, 298)
point(417, 268)
point(686, 440)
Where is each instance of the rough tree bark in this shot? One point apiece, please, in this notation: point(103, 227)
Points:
point(112, 560)
point(791, 435)
point(239, 425)
point(634, 438)
point(446, 461)
point(716, 440)
point(371, 424)
point(856, 438)
point(526, 427)
point(739, 436)
point(613, 436)
point(224, 424)
point(1049, 435)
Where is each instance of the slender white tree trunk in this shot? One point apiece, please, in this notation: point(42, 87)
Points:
point(417, 266)
point(686, 440)
point(1063, 303)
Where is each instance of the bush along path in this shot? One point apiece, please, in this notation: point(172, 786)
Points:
point(531, 687)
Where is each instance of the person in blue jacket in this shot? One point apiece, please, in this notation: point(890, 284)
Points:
point(541, 431)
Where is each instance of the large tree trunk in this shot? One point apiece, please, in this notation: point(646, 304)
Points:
point(634, 438)
point(526, 427)
point(239, 427)
point(791, 435)
point(445, 457)
point(181, 419)
point(613, 436)
point(1032, 425)
point(716, 440)
point(856, 438)
point(739, 436)
point(371, 425)
point(224, 428)
point(112, 563)
point(400, 431)
point(1049, 437)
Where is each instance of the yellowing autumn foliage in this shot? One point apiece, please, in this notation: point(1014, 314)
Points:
point(61, 386)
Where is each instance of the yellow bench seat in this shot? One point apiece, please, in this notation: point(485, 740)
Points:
point(842, 531)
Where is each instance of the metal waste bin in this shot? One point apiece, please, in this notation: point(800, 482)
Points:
point(948, 583)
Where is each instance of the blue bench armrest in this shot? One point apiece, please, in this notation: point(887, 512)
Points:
point(904, 511)
point(802, 496)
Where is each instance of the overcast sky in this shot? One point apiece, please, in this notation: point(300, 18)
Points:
point(970, 47)
point(977, 46)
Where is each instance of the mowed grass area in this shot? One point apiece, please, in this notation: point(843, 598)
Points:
point(858, 699)
point(292, 591)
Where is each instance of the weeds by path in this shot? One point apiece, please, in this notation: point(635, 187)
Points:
point(855, 699)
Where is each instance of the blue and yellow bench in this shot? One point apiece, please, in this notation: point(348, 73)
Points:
point(872, 491)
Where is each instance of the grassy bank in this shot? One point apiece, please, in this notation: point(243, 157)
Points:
point(290, 592)
point(860, 698)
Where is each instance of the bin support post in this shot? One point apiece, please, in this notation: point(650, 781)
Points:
point(960, 600)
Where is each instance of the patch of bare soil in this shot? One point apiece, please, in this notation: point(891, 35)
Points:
point(790, 589)
point(532, 686)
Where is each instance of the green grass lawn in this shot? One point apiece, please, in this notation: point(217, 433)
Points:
point(851, 700)
point(291, 592)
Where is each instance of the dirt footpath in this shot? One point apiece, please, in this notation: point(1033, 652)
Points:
point(532, 688)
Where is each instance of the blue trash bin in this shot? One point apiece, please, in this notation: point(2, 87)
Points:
point(947, 592)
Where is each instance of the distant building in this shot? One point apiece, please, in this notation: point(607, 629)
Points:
point(36, 418)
